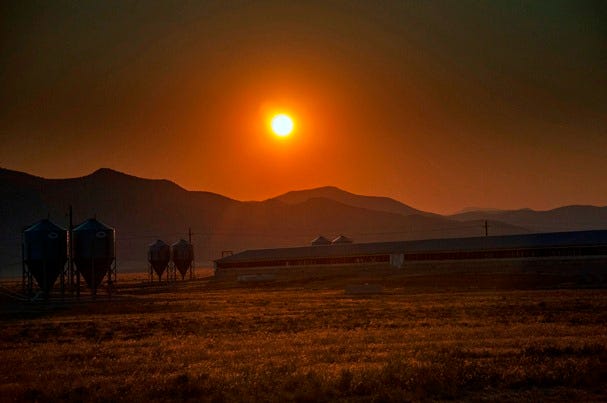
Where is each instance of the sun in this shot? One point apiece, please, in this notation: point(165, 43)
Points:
point(282, 125)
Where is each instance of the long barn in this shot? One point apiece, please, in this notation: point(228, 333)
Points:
point(575, 245)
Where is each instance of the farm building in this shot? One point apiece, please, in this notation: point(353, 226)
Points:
point(580, 245)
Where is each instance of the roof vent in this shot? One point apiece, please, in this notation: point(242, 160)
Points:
point(341, 239)
point(320, 240)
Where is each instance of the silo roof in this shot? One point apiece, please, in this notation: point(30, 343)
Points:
point(92, 224)
point(181, 242)
point(44, 225)
point(159, 242)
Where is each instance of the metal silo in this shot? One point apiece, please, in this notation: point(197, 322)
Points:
point(44, 253)
point(159, 256)
point(183, 256)
point(94, 251)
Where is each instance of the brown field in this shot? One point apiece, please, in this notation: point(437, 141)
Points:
point(505, 335)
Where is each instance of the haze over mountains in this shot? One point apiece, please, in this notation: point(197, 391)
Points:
point(567, 218)
point(143, 210)
point(368, 202)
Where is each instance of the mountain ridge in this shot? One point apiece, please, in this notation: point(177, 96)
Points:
point(570, 217)
point(143, 210)
point(379, 203)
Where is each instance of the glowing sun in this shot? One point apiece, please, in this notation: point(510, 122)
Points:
point(282, 125)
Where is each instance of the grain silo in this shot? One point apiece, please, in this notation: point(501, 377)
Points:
point(44, 255)
point(159, 256)
point(183, 256)
point(94, 251)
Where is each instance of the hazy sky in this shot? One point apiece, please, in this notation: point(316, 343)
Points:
point(439, 104)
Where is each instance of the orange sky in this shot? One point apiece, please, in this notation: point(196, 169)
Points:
point(441, 105)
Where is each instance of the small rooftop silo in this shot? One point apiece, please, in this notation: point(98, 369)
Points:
point(183, 256)
point(320, 240)
point(94, 251)
point(45, 254)
point(341, 240)
point(159, 256)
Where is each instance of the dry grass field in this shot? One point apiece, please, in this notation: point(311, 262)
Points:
point(471, 336)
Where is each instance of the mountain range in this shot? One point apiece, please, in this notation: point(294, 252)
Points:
point(143, 210)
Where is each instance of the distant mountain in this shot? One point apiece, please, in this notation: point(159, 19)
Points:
point(479, 209)
point(567, 218)
point(143, 210)
point(367, 202)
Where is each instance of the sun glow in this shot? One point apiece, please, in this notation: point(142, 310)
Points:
point(282, 125)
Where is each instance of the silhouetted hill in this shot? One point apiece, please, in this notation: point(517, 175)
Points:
point(567, 218)
point(489, 210)
point(143, 210)
point(368, 202)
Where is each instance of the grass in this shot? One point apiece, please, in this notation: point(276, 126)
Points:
point(309, 341)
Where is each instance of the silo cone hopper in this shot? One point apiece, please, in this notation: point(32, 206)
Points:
point(94, 251)
point(45, 252)
point(183, 255)
point(159, 256)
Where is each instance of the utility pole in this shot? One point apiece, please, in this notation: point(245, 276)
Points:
point(191, 246)
point(72, 273)
point(486, 228)
point(70, 257)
